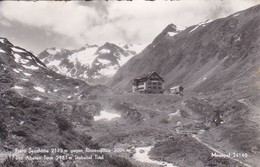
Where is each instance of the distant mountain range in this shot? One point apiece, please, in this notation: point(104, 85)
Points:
point(91, 63)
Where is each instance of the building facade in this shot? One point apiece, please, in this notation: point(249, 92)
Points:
point(150, 83)
point(177, 89)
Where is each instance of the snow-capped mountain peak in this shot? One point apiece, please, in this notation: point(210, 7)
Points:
point(90, 62)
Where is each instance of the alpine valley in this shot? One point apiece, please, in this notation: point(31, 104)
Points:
point(46, 101)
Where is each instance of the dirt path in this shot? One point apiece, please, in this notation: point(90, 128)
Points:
point(255, 115)
point(215, 150)
point(182, 105)
point(210, 147)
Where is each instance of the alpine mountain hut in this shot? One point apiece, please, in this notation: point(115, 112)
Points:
point(151, 83)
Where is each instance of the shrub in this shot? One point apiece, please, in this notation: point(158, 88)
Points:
point(164, 121)
point(63, 123)
point(12, 162)
point(3, 130)
point(119, 162)
point(21, 133)
point(56, 164)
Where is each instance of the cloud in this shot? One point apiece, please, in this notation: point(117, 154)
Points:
point(142, 21)
point(113, 21)
point(69, 19)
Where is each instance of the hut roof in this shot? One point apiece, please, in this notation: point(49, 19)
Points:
point(145, 77)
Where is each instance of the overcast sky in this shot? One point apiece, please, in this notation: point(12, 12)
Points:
point(39, 25)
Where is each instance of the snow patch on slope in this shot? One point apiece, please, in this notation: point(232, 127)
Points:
point(37, 99)
point(27, 74)
point(104, 61)
point(19, 59)
point(17, 87)
point(16, 71)
point(235, 15)
point(84, 57)
point(104, 51)
point(40, 89)
point(201, 24)
point(18, 50)
point(171, 34)
point(106, 115)
point(109, 71)
point(32, 67)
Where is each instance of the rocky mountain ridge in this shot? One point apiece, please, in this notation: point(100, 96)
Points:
point(193, 57)
point(91, 63)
